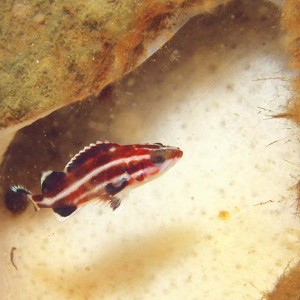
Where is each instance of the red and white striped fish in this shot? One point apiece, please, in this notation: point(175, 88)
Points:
point(100, 172)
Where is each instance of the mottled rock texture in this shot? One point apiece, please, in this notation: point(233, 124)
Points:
point(287, 287)
point(56, 52)
point(291, 22)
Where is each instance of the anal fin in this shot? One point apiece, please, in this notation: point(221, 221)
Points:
point(64, 212)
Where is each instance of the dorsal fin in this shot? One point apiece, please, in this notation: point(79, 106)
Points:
point(86, 153)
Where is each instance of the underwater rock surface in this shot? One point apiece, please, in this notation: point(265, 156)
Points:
point(53, 53)
point(291, 22)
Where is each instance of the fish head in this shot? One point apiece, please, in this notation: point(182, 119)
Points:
point(157, 160)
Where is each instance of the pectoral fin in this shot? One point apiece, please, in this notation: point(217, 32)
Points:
point(114, 203)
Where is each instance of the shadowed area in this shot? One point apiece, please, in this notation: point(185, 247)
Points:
point(123, 269)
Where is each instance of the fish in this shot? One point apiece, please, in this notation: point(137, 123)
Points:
point(100, 171)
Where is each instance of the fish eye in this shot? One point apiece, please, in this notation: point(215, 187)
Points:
point(157, 158)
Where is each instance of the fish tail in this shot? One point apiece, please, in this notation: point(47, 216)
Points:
point(21, 191)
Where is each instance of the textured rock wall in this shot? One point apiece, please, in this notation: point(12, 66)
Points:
point(53, 53)
point(288, 285)
point(290, 21)
point(56, 52)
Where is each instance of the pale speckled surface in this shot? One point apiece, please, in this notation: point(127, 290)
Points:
point(168, 240)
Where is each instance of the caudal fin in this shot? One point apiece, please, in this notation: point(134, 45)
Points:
point(16, 198)
point(19, 189)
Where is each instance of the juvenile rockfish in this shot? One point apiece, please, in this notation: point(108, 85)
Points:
point(99, 172)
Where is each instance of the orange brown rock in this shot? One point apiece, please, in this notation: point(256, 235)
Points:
point(291, 22)
point(52, 54)
point(287, 287)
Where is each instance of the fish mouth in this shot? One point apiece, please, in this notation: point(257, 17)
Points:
point(175, 153)
point(179, 153)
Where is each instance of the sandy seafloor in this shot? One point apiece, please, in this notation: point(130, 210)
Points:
point(221, 224)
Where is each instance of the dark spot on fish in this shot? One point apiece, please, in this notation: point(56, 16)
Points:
point(135, 166)
point(53, 183)
point(113, 189)
point(65, 211)
point(16, 200)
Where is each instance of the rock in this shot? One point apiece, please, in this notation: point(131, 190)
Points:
point(290, 21)
point(52, 54)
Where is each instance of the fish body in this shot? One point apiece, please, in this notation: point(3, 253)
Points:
point(100, 172)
